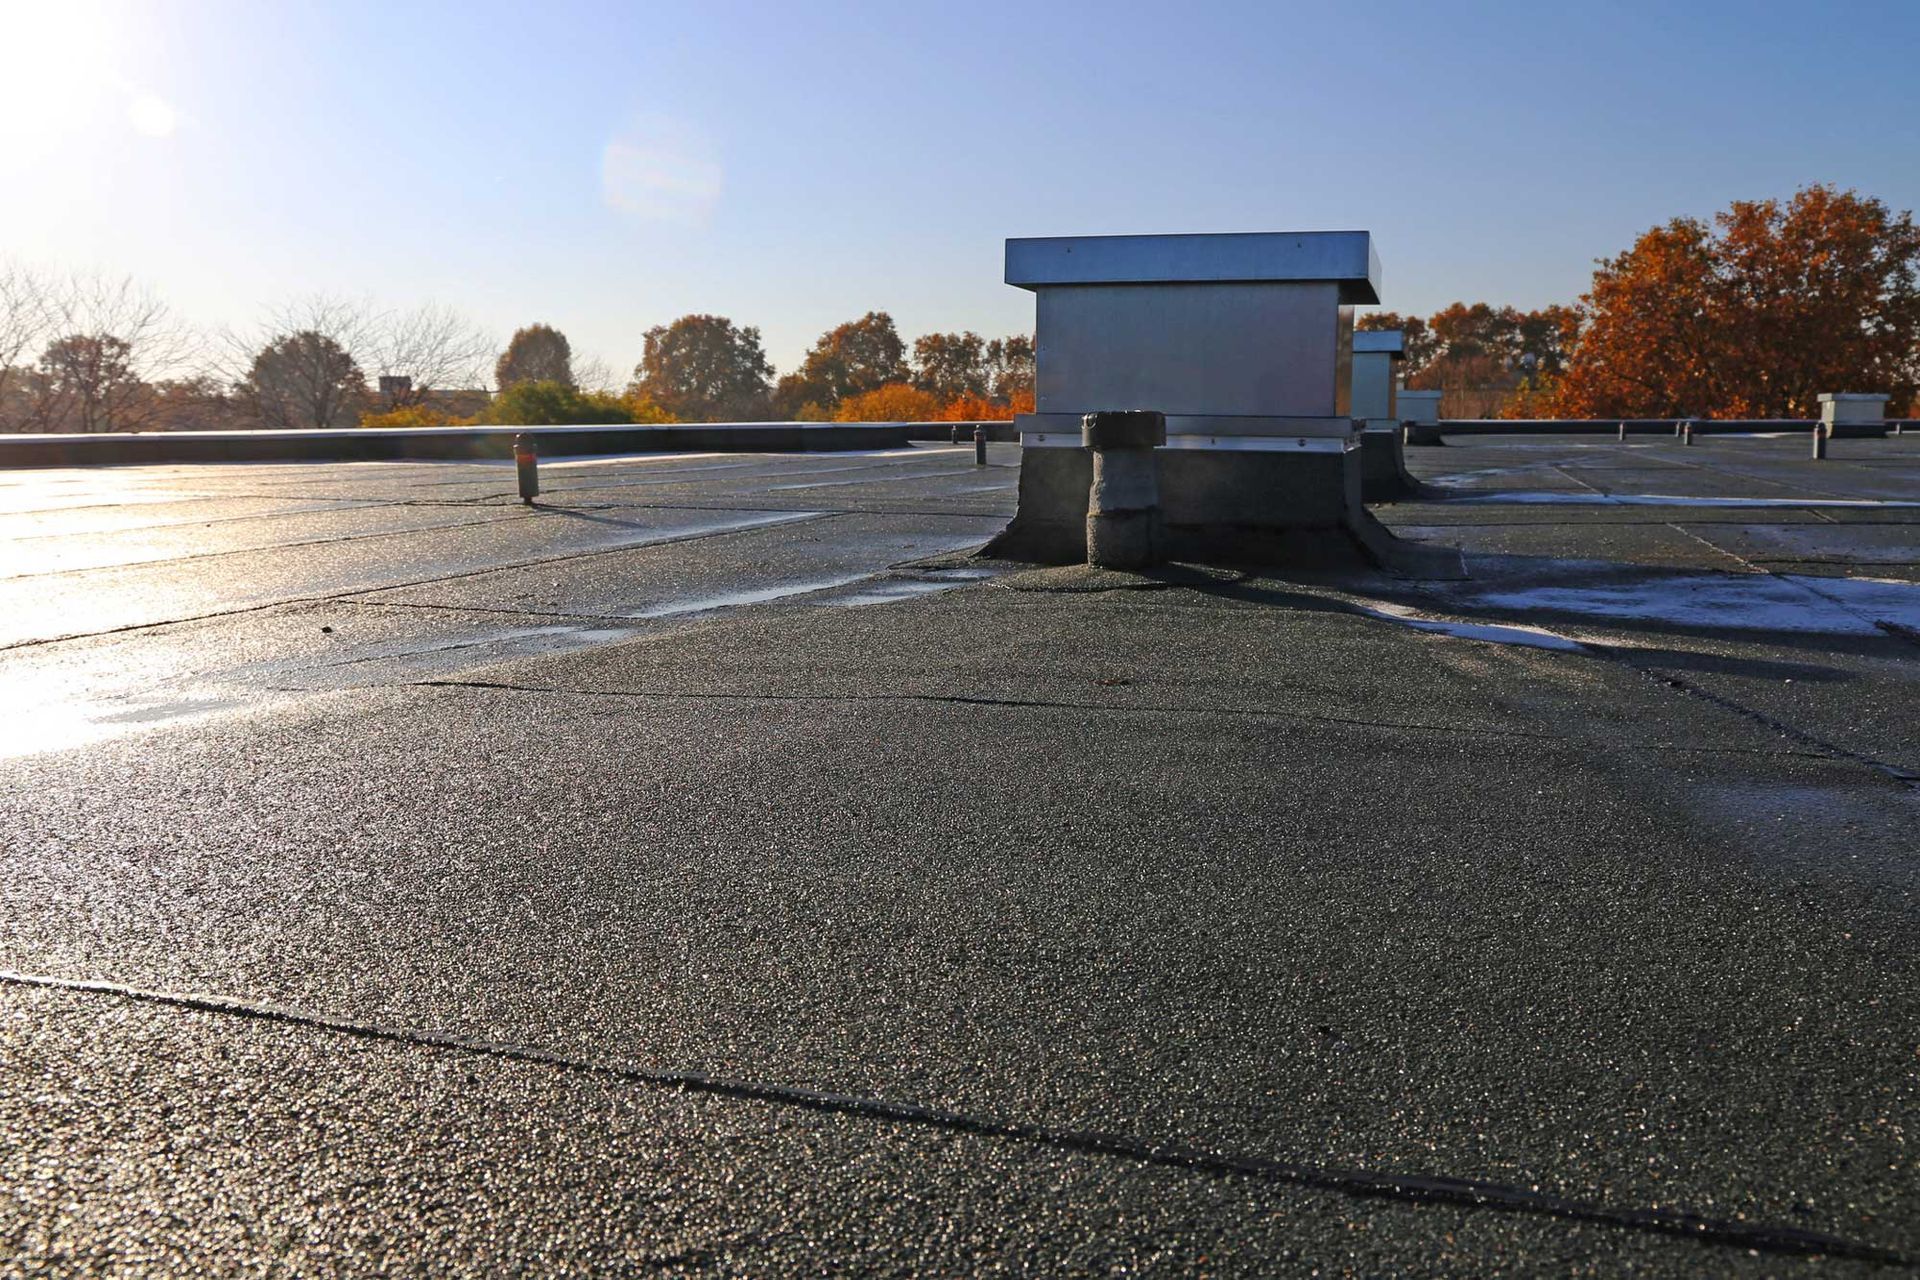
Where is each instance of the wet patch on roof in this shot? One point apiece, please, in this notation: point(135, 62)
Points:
point(1735, 601)
point(1533, 497)
point(1491, 633)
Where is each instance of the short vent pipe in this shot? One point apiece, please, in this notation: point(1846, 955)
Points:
point(526, 465)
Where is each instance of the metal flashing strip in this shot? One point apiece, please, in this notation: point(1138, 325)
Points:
point(1204, 424)
point(1266, 444)
point(1223, 443)
point(1050, 440)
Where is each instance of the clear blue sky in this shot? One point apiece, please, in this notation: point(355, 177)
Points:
point(607, 166)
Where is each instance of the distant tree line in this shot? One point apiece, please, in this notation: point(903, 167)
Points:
point(89, 354)
point(72, 352)
point(706, 368)
point(1481, 356)
point(1752, 315)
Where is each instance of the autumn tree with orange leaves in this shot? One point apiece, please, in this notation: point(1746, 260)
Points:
point(1475, 345)
point(1751, 317)
point(895, 402)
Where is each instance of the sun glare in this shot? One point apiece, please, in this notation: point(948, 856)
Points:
point(152, 116)
point(64, 76)
point(59, 64)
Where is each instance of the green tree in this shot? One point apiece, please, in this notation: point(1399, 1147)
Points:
point(1544, 339)
point(303, 379)
point(1478, 345)
point(705, 368)
point(537, 353)
point(1473, 345)
point(553, 404)
point(1419, 344)
point(1010, 369)
point(848, 360)
point(87, 382)
point(951, 365)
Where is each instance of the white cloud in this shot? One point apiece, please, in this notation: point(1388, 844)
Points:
point(661, 169)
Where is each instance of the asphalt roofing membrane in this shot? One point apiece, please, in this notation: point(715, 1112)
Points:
point(714, 870)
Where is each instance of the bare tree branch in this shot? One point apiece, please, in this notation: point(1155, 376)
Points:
point(595, 375)
point(302, 366)
point(109, 338)
point(25, 313)
point(433, 346)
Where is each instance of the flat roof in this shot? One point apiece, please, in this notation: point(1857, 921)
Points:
point(708, 638)
point(1346, 258)
point(1391, 341)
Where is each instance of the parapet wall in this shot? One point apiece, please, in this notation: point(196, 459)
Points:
point(386, 444)
point(1634, 426)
